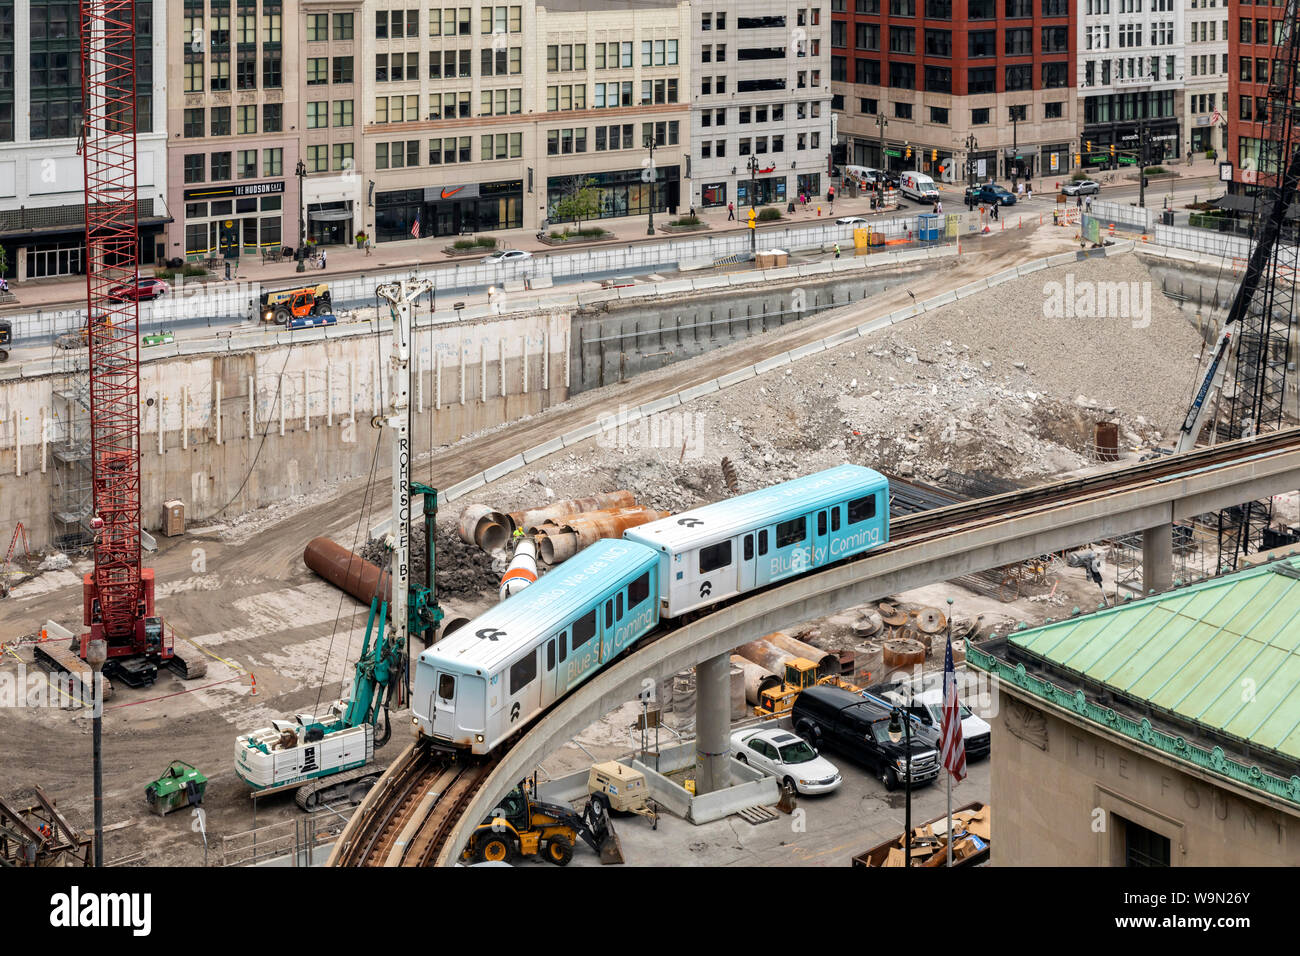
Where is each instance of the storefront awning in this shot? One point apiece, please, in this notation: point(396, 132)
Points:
point(330, 215)
point(1246, 204)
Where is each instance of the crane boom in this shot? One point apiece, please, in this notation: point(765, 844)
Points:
point(114, 590)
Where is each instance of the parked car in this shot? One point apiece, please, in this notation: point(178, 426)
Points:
point(839, 720)
point(789, 758)
point(853, 220)
point(1081, 187)
point(926, 707)
point(142, 289)
point(991, 193)
point(507, 255)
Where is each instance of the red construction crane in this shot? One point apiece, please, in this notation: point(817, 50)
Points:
point(118, 596)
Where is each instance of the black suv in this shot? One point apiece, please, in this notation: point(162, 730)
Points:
point(856, 728)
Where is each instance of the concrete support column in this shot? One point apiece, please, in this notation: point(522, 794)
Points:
point(1157, 558)
point(712, 724)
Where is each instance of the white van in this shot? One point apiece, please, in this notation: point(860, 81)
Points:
point(862, 174)
point(918, 186)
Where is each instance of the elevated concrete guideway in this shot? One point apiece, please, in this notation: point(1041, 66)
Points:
point(945, 551)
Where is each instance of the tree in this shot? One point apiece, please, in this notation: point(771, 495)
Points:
point(581, 201)
point(4, 260)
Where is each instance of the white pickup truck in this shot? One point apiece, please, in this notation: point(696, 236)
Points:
point(926, 707)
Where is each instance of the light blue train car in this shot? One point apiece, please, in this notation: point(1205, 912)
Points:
point(486, 680)
point(712, 553)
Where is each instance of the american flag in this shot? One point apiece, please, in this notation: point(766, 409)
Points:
point(415, 227)
point(953, 749)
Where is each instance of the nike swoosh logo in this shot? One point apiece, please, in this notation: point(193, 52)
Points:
point(448, 195)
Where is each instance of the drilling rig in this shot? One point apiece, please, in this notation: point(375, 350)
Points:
point(118, 596)
point(1246, 375)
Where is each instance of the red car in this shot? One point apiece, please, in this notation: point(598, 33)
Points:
point(143, 289)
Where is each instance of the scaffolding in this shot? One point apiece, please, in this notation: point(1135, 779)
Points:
point(71, 489)
point(1195, 556)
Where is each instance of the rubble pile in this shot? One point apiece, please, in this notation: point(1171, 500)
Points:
point(461, 571)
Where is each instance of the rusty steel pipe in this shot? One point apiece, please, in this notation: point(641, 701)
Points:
point(557, 546)
point(766, 655)
point(757, 678)
point(345, 570)
point(532, 517)
point(828, 662)
point(482, 526)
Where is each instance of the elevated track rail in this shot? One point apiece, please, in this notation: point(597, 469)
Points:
point(939, 544)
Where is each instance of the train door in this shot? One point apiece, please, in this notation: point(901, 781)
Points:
point(471, 707)
point(550, 673)
point(762, 557)
point(821, 538)
point(748, 561)
point(584, 648)
point(523, 690)
point(442, 703)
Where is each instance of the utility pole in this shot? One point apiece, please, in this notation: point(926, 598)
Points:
point(301, 173)
point(881, 124)
point(753, 189)
point(1015, 138)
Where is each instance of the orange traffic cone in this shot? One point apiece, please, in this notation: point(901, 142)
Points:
point(254, 679)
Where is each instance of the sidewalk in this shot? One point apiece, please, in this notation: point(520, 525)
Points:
point(347, 261)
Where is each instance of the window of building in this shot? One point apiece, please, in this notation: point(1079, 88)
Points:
point(318, 115)
point(938, 43)
point(342, 71)
point(902, 76)
point(272, 117)
point(246, 164)
point(317, 70)
point(220, 166)
point(1019, 42)
point(979, 117)
point(983, 80)
point(195, 164)
point(342, 26)
point(939, 115)
point(1143, 847)
point(318, 27)
point(273, 161)
point(220, 122)
point(903, 110)
point(245, 120)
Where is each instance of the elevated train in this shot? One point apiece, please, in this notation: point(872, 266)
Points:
point(487, 680)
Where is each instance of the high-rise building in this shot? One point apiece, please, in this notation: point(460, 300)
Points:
point(761, 124)
point(490, 116)
point(980, 88)
point(233, 100)
point(1131, 79)
point(1254, 29)
point(1206, 79)
point(42, 218)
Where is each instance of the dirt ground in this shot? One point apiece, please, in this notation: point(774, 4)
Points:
point(241, 593)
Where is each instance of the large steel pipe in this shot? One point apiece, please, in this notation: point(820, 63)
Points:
point(828, 663)
point(557, 545)
point(565, 536)
point(522, 570)
point(766, 654)
point(480, 525)
point(757, 678)
point(350, 572)
point(532, 517)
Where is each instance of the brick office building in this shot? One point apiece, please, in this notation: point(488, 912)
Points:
point(1253, 29)
point(992, 81)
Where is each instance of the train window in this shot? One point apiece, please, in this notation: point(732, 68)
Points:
point(561, 639)
point(715, 556)
point(749, 547)
point(584, 629)
point(791, 532)
point(860, 509)
point(619, 600)
point(762, 542)
point(609, 614)
point(446, 687)
point(835, 518)
point(638, 590)
point(522, 672)
point(550, 654)
point(821, 522)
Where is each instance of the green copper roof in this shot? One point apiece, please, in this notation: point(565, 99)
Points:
point(1223, 653)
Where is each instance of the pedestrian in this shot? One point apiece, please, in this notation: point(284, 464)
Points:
point(1029, 191)
point(1087, 204)
point(938, 206)
point(731, 211)
point(837, 250)
point(322, 257)
point(830, 195)
point(997, 210)
point(1020, 189)
point(1078, 202)
point(370, 244)
point(935, 207)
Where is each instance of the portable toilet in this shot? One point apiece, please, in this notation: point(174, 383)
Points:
point(928, 226)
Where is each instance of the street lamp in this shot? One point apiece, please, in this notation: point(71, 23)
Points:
point(895, 732)
point(301, 173)
point(881, 124)
point(971, 145)
point(650, 145)
point(96, 655)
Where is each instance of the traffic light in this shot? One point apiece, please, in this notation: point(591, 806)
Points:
point(1112, 150)
point(1088, 146)
point(908, 154)
point(934, 155)
point(1078, 160)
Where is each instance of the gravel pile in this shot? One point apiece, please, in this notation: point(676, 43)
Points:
point(461, 571)
point(990, 385)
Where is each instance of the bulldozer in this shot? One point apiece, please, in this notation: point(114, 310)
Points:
point(524, 826)
point(799, 674)
point(280, 307)
point(80, 339)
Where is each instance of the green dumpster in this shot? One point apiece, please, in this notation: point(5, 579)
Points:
point(181, 785)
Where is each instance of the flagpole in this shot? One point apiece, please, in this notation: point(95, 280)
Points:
point(949, 862)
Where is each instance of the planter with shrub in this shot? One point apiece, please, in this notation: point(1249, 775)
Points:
point(769, 214)
point(684, 224)
point(557, 237)
point(471, 246)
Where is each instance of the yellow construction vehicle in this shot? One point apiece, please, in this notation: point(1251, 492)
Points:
point(799, 674)
point(523, 826)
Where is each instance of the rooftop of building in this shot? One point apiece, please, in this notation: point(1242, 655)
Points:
point(1208, 673)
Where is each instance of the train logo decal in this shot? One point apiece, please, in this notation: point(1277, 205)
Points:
point(490, 634)
point(705, 589)
point(514, 712)
point(689, 522)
